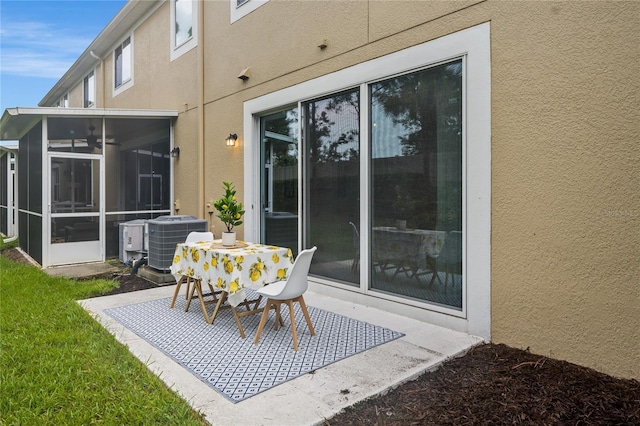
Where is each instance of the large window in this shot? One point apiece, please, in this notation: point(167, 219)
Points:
point(416, 184)
point(89, 90)
point(123, 71)
point(184, 27)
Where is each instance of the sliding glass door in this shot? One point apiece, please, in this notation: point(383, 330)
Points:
point(332, 185)
point(411, 180)
point(416, 185)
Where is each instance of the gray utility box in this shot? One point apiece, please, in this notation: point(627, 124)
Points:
point(164, 232)
point(131, 240)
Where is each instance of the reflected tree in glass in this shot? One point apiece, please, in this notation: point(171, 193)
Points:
point(332, 135)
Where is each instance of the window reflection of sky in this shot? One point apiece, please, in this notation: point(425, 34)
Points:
point(183, 21)
point(385, 134)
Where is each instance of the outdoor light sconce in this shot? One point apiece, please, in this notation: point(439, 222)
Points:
point(231, 139)
point(175, 152)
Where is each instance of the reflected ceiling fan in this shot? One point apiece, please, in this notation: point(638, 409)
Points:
point(92, 140)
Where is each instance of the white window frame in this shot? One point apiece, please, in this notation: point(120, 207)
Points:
point(181, 49)
point(88, 94)
point(63, 102)
point(128, 83)
point(237, 12)
point(473, 45)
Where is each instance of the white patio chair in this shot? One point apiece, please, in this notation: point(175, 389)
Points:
point(191, 238)
point(288, 291)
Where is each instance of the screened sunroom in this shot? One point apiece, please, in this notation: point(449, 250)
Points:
point(80, 172)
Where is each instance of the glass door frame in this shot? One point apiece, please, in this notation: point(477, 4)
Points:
point(268, 167)
point(73, 252)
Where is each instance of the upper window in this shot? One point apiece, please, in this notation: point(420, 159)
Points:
point(63, 102)
point(184, 28)
point(240, 8)
point(183, 21)
point(123, 66)
point(89, 90)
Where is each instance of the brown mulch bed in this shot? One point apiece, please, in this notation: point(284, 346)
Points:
point(498, 385)
point(490, 385)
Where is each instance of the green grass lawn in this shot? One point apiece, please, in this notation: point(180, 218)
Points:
point(58, 366)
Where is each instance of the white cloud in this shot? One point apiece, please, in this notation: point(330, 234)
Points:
point(38, 49)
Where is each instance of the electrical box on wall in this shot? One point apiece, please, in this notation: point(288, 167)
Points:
point(131, 241)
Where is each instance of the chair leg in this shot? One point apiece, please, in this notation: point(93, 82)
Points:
point(263, 320)
point(190, 297)
point(303, 306)
point(278, 322)
point(293, 325)
point(238, 323)
point(175, 293)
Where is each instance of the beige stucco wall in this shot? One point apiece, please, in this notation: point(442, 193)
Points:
point(565, 181)
point(565, 154)
point(76, 96)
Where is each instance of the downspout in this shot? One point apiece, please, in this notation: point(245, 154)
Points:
point(103, 76)
point(201, 161)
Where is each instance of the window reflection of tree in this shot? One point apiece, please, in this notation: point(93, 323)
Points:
point(426, 110)
point(334, 128)
point(332, 148)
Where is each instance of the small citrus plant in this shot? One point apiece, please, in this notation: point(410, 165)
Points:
point(230, 211)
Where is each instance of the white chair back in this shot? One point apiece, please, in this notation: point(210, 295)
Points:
point(356, 235)
point(199, 236)
point(297, 282)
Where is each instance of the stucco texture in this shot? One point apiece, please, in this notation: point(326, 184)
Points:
point(565, 179)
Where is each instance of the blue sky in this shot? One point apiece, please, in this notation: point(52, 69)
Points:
point(40, 40)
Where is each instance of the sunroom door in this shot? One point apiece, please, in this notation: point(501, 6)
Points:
point(75, 223)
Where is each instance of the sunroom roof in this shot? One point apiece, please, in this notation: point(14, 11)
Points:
point(15, 122)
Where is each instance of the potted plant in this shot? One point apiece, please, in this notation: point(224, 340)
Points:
point(230, 212)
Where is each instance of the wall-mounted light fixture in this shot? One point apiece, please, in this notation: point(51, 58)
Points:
point(175, 152)
point(231, 139)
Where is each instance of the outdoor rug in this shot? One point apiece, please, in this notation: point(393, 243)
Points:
point(235, 367)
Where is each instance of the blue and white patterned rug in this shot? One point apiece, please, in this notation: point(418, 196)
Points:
point(235, 367)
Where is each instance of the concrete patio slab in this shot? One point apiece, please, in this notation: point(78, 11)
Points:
point(310, 398)
point(83, 271)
